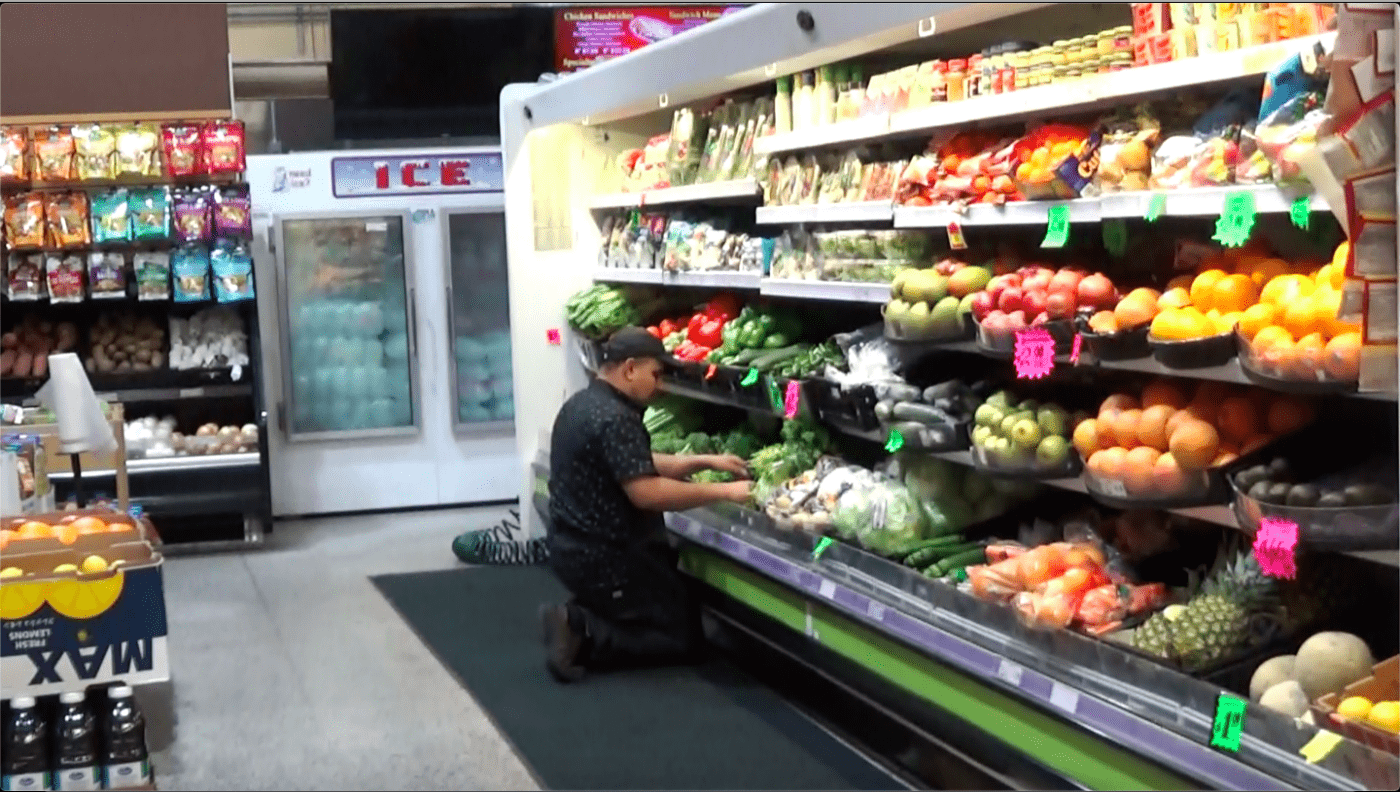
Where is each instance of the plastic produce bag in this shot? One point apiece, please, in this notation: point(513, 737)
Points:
point(1288, 134)
point(894, 520)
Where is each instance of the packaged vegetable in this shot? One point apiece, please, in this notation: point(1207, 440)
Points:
point(152, 270)
point(233, 272)
point(24, 220)
point(65, 274)
point(192, 216)
point(1288, 134)
point(790, 183)
point(14, 154)
point(181, 145)
point(891, 520)
point(25, 279)
point(1125, 157)
point(1056, 161)
point(138, 150)
point(67, 215)
point(222, 145)
point(53, 154)
point(149, 210)
point(233, 212)
point(190, 268)
point(106, 275)
point(1171, 163)
point(95, 146)
point(811, 173)
point(111, 216)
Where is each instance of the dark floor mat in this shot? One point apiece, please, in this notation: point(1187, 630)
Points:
point(704, 727)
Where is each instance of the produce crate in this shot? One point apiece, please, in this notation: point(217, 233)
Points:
point(852, 408)
point(1382, 685)
point(932, 437)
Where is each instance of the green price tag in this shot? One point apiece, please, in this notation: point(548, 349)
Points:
point(1155, 207)
point(894, 442)
point(1115, 237)
point(1236, 219)
point(1229, 723)
point(749, 378)
point(774, 396)
point(821, 547)
point(1301, 213)
point(1057, 227)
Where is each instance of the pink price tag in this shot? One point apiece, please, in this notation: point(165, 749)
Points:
point(710, 372)
point(552, 336)
point(1034, 353)
point(1274, 547)
point(790, 399)
point(1074, 352)
point(956, 240)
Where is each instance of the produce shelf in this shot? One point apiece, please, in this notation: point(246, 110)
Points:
point(175, 463)
point(863, 212)
point(1082, 210)
point(826, 290)
point(742, 190)
point(858, 130)
point(627, 275)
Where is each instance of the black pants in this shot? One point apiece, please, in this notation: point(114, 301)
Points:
point(636, 607)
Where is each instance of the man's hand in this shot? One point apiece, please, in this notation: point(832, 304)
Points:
point(728, 463)
point(737, 491)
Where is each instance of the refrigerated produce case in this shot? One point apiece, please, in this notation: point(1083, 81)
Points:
point(1088, 711)
point(388, 350)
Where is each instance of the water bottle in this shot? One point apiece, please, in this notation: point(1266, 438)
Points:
point(125, 761)
point(75, 764)
point(26, 759)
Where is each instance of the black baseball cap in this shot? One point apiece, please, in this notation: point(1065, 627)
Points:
point(632, 342)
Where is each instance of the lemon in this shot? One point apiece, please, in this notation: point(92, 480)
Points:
point(63, 569)
point(1356, 708)
point(94, 564)
point(79, 599)
point(11, 572)
point(1385, 715)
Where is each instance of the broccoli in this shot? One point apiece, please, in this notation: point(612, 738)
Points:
point(712, 477)
point(698, 443)
point(667, 443)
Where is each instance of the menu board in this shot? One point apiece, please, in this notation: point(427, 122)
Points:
point(585, 35)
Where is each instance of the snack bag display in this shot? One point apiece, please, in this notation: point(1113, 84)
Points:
point(24, 220)
point(152, 269)
point(14, 154)
point(24, 277)
point(182, 150)
point(53, 154)
point(65, 272)
point(223, 147)
point(192, 221)
point(190, 266)
point(233, 217)
point(137, 149)
point(106, 275)
point(67, 215)
point(111, 217)
point(233, 272)
point(95, 147)
point(150, 213)
point(1055, 161)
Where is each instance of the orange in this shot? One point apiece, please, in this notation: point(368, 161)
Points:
point(1236, 418)
point(1331, 276)
point(1103, 322)
point(1108, 463)
point(1329, 306)
point(1203, 287)
point(1194, 444)
point(1255, 318)
point(1340, 256)
point(1152, 426)
point(1086, 437)
point(1304, 316)
point(1289, 414)
point(1286, 289)
point(1176, 297)
point(1163, 391)
point(1233, 293)
point(1168, 477)
point(7, 536)
point(1181, 282)
point(89, 525)
point(118, 527)
point(1115, 404)
point(1226, 322)
point(1138, 466)
point(1135, 311)
point(67, 534)
point(1342, 357)
point(1270, 336)
point(1261, 271)
point(1125, 428)
point(1144, 293)
point(35, 530)
point(1308, 356)
point(1197, 323)
point(1278, 358)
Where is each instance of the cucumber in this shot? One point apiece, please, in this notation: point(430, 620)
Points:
point(897, 392)
point(883, 411)
point(748, 356)
point(913, 411)
point(774, 357)
point(959, 560)
point(934, 555)
point(933, 551)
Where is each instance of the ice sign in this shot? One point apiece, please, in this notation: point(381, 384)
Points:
point(1274, 547)
point(1034, 353)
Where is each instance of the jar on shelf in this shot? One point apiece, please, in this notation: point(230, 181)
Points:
point(991, 75)
point(957, 79)
point(1103, 43)
point(1122, 39)
point(1011, 69)
point(938, 83)
point(974, 76)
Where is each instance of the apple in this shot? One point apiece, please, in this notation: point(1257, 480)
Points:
point(982, 305)
point(1040, 319)
point(1016, 320)
point(948, 266)
point(1097, 291)
point(1040, 281)
point(1066, 281)
point(1012, 299)
point(1060, 304)
point(1033, 301)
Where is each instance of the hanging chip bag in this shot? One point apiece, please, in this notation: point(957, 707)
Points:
point(152, 270)
point(65, 273)
point(233, 273)
point(106, 275)
point(67, 215)
point(223, 146)
point(111, 217)
point(190, 267)
point(137, 150)
point(181, 143)
point(53, 153)
point(24, 277)
point(233, 213)
point(14, 154)
point(24, 220)
point(96, 148)
point(150, 213)
point(192, 221)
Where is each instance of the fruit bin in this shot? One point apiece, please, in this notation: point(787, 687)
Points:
point(1336, 528)
point(931, 437)
point(852, 408)
point(983, 462)
point(1062, 330)
point(897, 330)
point(1194, 353)
point(1122, 345)
point(1262, 372)
point(1382, 685)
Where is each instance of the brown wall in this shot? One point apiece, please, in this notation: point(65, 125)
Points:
point(75, 61)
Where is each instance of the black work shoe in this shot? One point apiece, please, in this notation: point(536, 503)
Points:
point(562, 644)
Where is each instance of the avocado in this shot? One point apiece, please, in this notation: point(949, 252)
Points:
point(1332, 500)
point(1279, 470)
point(1278, 493)
point(1260, 491)
point(1305, 495)
point(1247, 478)
point(1367, 495)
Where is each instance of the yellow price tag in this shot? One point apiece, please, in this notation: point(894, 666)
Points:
point(1320, 746)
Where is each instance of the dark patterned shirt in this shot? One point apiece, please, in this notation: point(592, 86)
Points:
point(599, 442)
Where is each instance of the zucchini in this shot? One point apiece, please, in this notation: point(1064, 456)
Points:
point(883, 411)
point(977, 555)
point(748, 356)
point(897, 392)
point(774, 357)
point(913, 411)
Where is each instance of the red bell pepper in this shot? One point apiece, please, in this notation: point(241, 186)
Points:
point(709, 334)
point(696, 322)
point(656, 331)
point(724, 307)
point(668, 327)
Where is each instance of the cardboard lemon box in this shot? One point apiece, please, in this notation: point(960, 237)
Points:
point(1382, 685)
point(68, 620)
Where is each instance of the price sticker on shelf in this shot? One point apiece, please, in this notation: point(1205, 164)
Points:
point(1320, 745)
point(1064, 698)
point(1236, 221)
point(1274, 547)
point(1113, 488)
point(1074, 350)
point(710, 372)
point(956, 240)
point(827, 589)
point(1156, 205)
point(552, 336)
point(1229, 723)
point(821, 548)
point(774, 395)
point(875, 611)
point(1034, 356)
point(1056, 227)
point(894, 442)
point(1115, 237)
point(1010, 673)
point(749, 378)
point(1300, 212)
point(790, 399)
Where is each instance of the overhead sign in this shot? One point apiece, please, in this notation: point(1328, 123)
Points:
point(585, 35)
point(366, 177)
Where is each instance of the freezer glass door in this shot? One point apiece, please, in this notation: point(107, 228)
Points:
point(348, 338)
point(479, 318)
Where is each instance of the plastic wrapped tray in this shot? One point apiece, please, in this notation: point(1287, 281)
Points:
point(1195, 353)
point(1062, 330)
point(852, 408)
point(1260, 372)
point(900, 331)
point(1122, 345)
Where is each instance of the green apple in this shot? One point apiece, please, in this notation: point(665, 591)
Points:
point(988, 415)
point(1052, 420)
point(1052, 451)
point(1007, 424)
point(981, 435)
point(1026, 433)
point(1002, 399)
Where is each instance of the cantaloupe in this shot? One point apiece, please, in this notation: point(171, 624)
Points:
point(1270, 673)
point(1329, 661)
point(1286, 697)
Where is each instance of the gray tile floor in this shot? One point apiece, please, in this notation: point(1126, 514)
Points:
point(290, 671)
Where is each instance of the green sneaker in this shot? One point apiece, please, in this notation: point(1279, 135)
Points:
point(497, 546)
